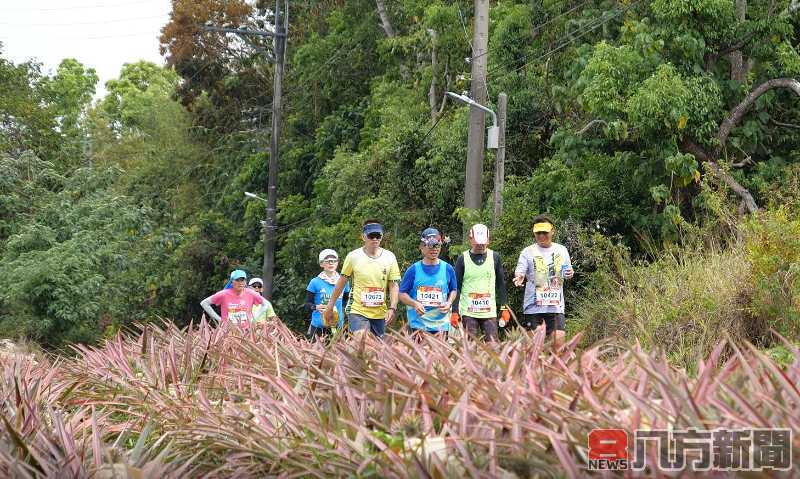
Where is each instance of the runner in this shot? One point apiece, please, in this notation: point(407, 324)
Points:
point(375, 273)
point(236, 303)
point(481, 286)
point(545, 265)
point(429, 287)
point(319, 292)
point(257, 285)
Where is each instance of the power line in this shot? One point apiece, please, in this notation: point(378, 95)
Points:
point(431, 128)
point(536, 29)
point(100, 22)
point(539, 27)
point(107, 37)
point(568, 38)
point(76, 7)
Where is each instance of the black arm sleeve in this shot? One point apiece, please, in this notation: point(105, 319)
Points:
point(459, 267)
point(309, 304)
point(500, 281)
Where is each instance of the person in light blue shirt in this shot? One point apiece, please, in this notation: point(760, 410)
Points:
point(429, 287)
point(318, 294)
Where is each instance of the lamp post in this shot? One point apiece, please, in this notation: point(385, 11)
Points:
point(494, 142)
point(254, 196)
point(493, 132)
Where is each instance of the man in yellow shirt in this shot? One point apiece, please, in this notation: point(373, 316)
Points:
point(375, 290)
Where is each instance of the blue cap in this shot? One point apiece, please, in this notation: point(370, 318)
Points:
point(429, 233)
point(238, 273)
point(372, 228)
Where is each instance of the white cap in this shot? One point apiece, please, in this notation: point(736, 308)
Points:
point(327, 252)
point(255, 280)
point(479, 233)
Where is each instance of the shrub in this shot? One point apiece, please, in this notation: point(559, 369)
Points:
point(773, 247)
point(689, 298)
point(681, 303)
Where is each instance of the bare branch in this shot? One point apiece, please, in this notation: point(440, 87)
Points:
point(591, 125)
point(740, 190)
point(432, 94)
point(711, 165)
point(785, 125)
point(711, 59)
point(709, 159)
point(698, 151)
point(446, 85)
point(743, 163)
point(385, 22)
point(738, 112)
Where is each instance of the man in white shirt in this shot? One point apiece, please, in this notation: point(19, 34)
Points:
point(546, 265)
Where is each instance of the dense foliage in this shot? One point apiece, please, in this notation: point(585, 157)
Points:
point(631, 122)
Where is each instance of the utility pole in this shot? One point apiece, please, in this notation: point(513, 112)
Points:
point(272, 181)
point(500, 160)
point(279, 47)
point(480, 45)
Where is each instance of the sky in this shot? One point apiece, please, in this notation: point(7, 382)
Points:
point(101, 34)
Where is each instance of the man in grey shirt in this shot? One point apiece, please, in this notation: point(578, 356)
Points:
point(545, 265)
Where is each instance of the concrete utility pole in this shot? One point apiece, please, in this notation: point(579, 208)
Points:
point(279, 46)
point(480, 45)
point(500, 160)
point(272, 181)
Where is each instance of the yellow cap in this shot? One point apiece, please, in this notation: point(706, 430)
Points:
point(542, 227)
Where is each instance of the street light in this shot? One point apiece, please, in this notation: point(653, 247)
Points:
point(493, 132)
point(254, 196)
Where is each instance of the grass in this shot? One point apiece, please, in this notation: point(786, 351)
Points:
point(682, 305)
point(685, 301)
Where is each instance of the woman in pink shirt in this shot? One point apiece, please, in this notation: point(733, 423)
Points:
point(236, 303)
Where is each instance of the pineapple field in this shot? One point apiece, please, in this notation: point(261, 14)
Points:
point(206, 402)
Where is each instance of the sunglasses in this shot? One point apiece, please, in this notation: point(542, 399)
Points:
point(240, 279)
point(374, 236)
point(541, 232)
point(257, 286)
point(433, 244)
point(330, 261)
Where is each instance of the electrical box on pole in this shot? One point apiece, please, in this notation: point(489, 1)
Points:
point(493, 137)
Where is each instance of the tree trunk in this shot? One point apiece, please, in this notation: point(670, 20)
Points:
point(385, 22)
point(446, 86)
point(738, 64)
point(433, 97)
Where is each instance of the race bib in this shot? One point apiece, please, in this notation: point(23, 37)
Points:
point(548, 297)
point(238, 317)
point(479, 303)
point(430, 296)
point(373, 297)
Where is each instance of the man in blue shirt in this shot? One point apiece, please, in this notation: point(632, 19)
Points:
point(318, 295)
point(429, 287)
